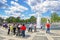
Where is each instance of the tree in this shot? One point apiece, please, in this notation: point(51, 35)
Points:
point(1, 20)
point(33, 19)
point(54, 17)
point(18, 19)
point(43, 20)
point(58, 19)
point(11, 19)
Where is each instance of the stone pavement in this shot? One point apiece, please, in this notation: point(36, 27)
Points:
point(40, 35)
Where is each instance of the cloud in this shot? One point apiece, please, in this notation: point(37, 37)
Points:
point(52, 0)
point(53, 5)
point(35, 14)
point(26, 17)
point(32, 14)
point(46, 17)
point(18, 5)
point(22, 16)
point(33, 2)
point(4, 17)
point(11, 13)
point(15, 10)
point(2, 5)
point(3, 1)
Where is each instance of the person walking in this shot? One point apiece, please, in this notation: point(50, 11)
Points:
point(23, 29)
point(47, 27)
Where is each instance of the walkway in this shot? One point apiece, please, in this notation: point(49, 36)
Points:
point(41, 35)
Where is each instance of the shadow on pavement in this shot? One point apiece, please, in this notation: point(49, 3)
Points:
point(27, 36)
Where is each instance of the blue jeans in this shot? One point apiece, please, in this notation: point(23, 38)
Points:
point(23, 33)
point(48, 30)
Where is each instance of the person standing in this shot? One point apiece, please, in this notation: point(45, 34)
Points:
point(18, 29)
point(5, 25)
point(14, 29)
point(41, 26)
point(23, 29)
point(8, 29)
point(30, 28)
point(34, 27)
point(47, 27)
point(11, 28)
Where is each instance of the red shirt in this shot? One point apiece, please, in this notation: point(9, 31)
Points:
point(23, 27)
point(48, 25)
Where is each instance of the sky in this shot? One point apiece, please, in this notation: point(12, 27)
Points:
point(27, 8)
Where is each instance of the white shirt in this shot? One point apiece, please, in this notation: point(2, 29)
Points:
point(19, 25)
point(30, 25)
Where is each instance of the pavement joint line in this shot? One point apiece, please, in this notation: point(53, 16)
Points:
point(8, 37)
point(55, 36)
point(40, 35)
point(49, 37)
point(33, 36)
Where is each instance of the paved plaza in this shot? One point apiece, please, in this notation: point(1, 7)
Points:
point(40, 35)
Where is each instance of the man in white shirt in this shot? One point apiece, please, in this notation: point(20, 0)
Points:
point(30, 28)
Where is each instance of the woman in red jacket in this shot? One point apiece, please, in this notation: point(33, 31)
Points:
point(23, 28)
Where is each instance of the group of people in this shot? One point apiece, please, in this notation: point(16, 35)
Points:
point(31, 26)
point(17, 29)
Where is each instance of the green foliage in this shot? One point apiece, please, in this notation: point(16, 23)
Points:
point(32, 19)
point(1, 20)
point(18, 19)
point(43, 20)
point(13, 19)
point(54, 17)
point(10, 19)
